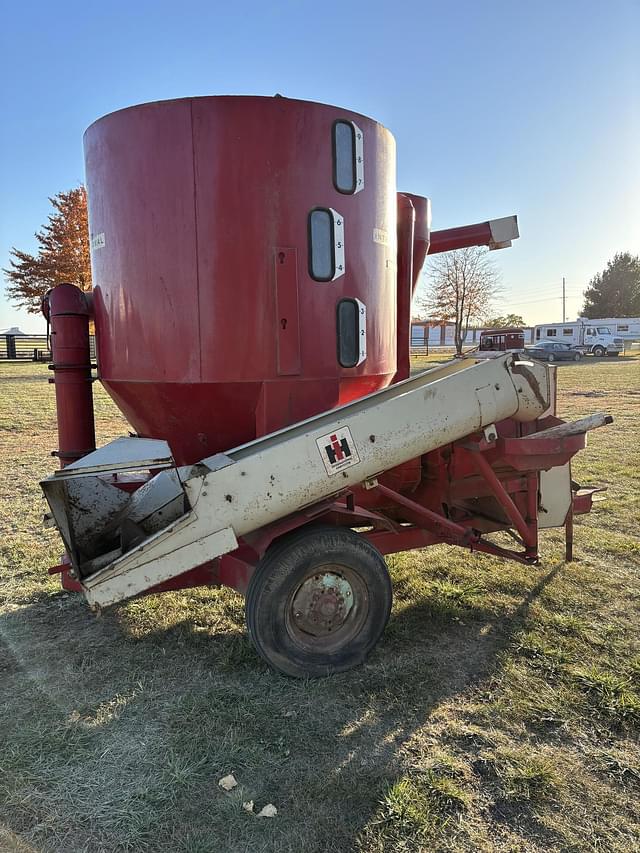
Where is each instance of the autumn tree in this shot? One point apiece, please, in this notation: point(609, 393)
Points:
point(63, 253)
point(615, 292)
point(506, 321)
point(462, 285)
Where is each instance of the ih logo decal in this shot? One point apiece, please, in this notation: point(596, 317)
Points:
point(337, 450)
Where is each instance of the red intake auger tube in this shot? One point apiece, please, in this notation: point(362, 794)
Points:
point(68, 310)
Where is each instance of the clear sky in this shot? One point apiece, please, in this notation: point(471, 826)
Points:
point(497, 107)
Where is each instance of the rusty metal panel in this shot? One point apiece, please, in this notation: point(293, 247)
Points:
point(287, 314)
point(555, 496)
point(125, 454)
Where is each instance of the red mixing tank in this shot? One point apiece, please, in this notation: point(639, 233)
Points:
point(244, 258)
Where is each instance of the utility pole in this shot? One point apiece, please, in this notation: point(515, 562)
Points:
point(564, 302)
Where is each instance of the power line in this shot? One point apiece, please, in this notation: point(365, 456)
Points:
point(546, 287)
point(568, 293)
point(543, 299)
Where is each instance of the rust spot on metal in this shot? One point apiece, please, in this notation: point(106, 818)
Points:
point(521, 369)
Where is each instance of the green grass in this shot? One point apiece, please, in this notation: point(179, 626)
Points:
point(500, 712)
point(524, 775)
point(422, 804)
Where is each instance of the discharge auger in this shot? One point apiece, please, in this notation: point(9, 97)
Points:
point(253, 270)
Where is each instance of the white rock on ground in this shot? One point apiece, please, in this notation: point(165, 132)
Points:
point(228, 782)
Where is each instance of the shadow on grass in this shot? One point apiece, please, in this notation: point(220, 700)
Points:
point(112, 740)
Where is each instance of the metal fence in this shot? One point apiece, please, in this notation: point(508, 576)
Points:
point(24, 348)
point(31, 348)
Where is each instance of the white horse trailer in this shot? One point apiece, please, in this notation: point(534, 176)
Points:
point(590, 336)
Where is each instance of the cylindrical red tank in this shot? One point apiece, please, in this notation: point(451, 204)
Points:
point(242, 248)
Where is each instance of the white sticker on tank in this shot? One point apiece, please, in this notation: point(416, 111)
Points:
point(380, 236)
point(98, 241)
point(338, 450)
point(338, 238)
point(362, 331)
point(359, 152)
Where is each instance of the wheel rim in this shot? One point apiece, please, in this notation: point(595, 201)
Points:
point(576, 357)
point(551, 357)
point(327, 609)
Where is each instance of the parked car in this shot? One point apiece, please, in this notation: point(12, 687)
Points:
point(553, 351)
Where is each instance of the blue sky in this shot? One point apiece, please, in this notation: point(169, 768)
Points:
point(497, 108)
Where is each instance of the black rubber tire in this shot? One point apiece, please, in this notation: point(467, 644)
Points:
point(599, 352)
point(613, 354)
point(282, 571)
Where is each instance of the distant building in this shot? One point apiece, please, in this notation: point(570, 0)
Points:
point(13, 330)
point(434, 332)
point(439, 333)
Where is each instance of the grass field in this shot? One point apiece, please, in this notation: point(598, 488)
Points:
point(500, 712)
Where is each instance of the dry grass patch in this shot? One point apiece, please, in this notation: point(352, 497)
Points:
point(499, 713)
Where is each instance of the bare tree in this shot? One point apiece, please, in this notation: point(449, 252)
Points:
point(462, 286)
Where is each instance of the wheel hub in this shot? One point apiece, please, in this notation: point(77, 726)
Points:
point(322, 604)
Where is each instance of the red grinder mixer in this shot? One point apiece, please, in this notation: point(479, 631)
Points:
point(253, 271)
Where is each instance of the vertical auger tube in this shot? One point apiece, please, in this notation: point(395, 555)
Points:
point(404, 284)
point(67, 309)
point(421, 234)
